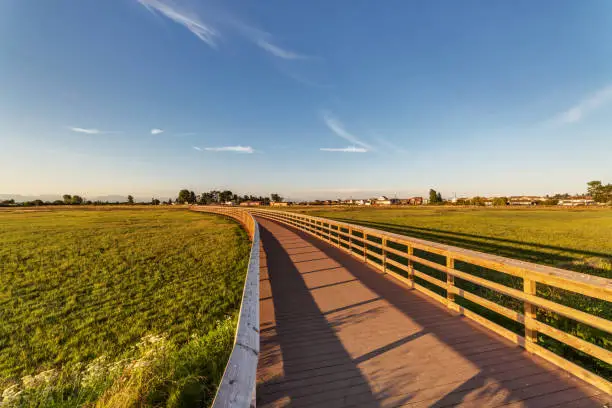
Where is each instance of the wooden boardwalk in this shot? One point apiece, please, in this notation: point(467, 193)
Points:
point(338, 333)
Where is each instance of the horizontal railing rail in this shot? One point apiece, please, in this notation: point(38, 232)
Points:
point(237, 386)
point(386, 251)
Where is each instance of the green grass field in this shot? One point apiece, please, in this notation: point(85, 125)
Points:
point(573, 239)
point(136, 306)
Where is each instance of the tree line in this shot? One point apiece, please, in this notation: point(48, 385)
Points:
point(186, 196)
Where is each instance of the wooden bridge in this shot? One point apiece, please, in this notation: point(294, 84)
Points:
point(343, 327)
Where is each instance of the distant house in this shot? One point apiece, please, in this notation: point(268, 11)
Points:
point(250, 203)
point(574, 202)
point(384, 200)
point(279, 204)
point(525, 200)
point(413, 201)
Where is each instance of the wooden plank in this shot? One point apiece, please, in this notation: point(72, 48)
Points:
point(430, 293)
point(574, 369)
point(374, 254)
point(396, 252)
point(534, 300)
point(397, 264)
point(401, 278)
point(429, 279)
point(573, 341)
point(502, 331)
point(504, 311)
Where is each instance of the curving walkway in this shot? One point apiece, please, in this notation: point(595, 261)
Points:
point(338, 333)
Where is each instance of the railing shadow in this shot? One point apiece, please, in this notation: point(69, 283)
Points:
point(502, 372)
point(300, 346)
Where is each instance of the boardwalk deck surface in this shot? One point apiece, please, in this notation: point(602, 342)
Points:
point(337, 333)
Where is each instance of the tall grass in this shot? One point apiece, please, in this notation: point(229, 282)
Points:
point(125, 307)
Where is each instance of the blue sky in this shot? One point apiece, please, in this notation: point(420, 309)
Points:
point(308, 99)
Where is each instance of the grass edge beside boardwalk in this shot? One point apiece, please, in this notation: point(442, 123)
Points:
point(157, 370)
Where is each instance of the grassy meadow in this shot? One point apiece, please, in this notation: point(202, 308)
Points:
point(116, 307)
point(573, 239)
point(577, 239)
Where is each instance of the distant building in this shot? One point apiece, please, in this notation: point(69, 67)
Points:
point(574, 202)
point(250, 203)
point(415, 201)
point(279, 204)
point(525, 200)
point(384, 200)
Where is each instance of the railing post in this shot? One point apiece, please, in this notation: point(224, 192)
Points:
point(410, 266)
point(350, 234)
point(531, 335)
point(365, 247)
point(450, 283)
point(384, 254)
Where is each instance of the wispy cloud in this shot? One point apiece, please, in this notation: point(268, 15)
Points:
point(90, 131)
point(199, 149)
point(156, 131)
point(586, 106)
point(389, 145)
point(188, 19)
point(278, 51)
point(338, 128)
point(205, 31)
point(350, 149)
point(236, 149)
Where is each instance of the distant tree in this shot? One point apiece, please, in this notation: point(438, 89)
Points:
point(38, 202)
point(500, 201)
point(477, 201)
point(433, 196)
point(58, 202)
point(130, 199)
point(88, 202)
point(154, 201)
point(601, 193)
point(77, 200)
point(183, 196)
point(67, 198)
point(225, 196)
point(169, 201)
point(276, 198)
point(550, 201)
point(192, 197)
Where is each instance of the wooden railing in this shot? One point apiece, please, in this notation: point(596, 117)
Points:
point(398, 256)
point(237, 387)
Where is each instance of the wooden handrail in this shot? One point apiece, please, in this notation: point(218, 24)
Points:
point(237, 386)
point(343, 235)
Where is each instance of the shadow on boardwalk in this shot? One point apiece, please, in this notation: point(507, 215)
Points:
point(336, 333)
point(300, 339)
